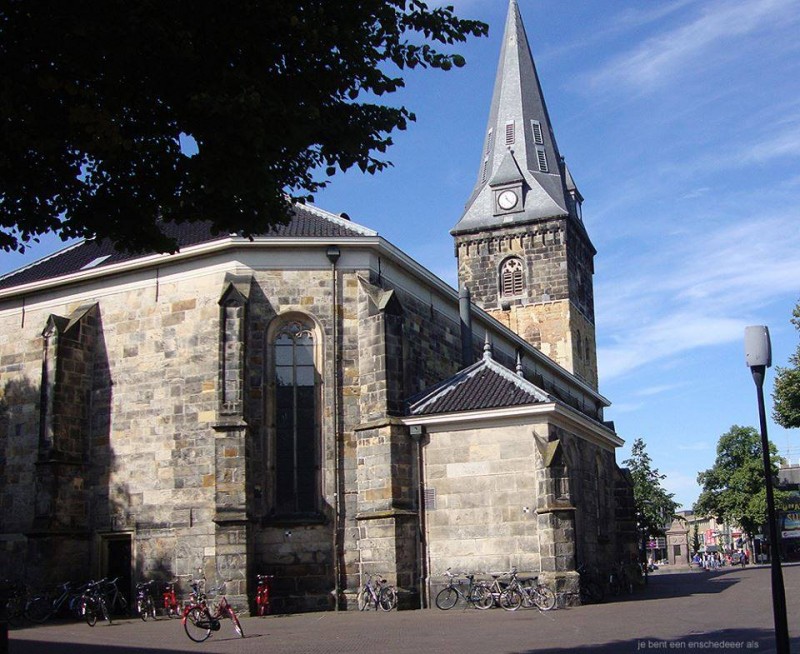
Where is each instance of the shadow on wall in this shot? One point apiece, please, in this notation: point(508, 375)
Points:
point(55, 459)
point(19, 408)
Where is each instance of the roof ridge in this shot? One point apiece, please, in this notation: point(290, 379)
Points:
point(450, 384)
point(430, 395)
point(518, 380)
point(338, 220)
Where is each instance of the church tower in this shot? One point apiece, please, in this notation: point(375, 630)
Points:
point(523, 252)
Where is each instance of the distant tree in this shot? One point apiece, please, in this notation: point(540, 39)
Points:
point(654, 505)
point(786, 390)
point(96, 96)
point(695, 539)
point(733, 489)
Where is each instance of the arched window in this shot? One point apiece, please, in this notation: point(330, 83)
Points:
point(511, 277)
point(296, 443)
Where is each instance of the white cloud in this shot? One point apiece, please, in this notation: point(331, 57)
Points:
point(656, 390)
point(706, 38)
point(682, 485)
point(694, 292)
point(695, 193)
point(626, 407)
point(668, 336)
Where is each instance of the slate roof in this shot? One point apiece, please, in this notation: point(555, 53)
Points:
point(517, 102)
point(308, 221)
point(483, 385)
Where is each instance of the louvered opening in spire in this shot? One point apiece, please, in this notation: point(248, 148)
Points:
point(518, 120)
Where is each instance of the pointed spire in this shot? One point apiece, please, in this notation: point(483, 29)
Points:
point(518, 122)
point(487, 348)
point(519, 365)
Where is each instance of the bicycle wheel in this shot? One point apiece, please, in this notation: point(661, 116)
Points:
point(38, 609)
point(482, 597)
point(197, 624)
point(103, 612)
point(90, 612)
point(544, 598)
point(76, 605)
point(364, 599)
point(447, 598)
point(387, 600)
point(236, 624)
point(510, 599)
point(527, 596)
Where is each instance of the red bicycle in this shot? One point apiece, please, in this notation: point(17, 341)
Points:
point(172, 607)
point(263, 593)
point(200, 618)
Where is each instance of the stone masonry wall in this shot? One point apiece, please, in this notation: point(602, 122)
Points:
point(149, 447)
point(481, 500)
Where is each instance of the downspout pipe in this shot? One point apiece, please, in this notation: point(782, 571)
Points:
point(333, 253)
point(465, 315)
point(417, 433)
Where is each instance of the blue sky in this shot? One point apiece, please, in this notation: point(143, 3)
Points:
point(680, 122)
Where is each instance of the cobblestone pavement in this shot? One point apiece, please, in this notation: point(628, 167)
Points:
point(729, 610)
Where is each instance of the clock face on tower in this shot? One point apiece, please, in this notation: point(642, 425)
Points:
point(507, 200)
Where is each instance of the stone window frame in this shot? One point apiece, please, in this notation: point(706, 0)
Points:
point(276, 327)
point(512, 282)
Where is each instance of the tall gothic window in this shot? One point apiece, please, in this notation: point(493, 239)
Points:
point(296, 431)
point(511, 277)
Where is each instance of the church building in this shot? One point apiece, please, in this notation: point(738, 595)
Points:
point(316, 405)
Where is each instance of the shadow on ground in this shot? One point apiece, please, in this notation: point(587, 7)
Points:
point(680, 584)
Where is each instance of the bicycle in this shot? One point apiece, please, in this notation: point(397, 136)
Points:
point(13, 607)
point(172, 607)
point(536, 594)
point(508, 597)
point(618, 580)
point(263, 594)
point(477, 594)
point(145, 604)
point(115, 599)
point(200, 619)
point(93, 603)
point(377, 594)
point(41, 608)
point(590, 591)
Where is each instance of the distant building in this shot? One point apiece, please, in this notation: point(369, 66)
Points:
point(789, 520)
point(713, 535)
point(315, 404)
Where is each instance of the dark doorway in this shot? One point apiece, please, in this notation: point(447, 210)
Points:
point(116, 558)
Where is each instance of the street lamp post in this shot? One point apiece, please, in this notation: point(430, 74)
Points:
point(758, 356)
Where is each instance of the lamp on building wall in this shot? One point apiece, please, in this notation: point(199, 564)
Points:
point(758, 356)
